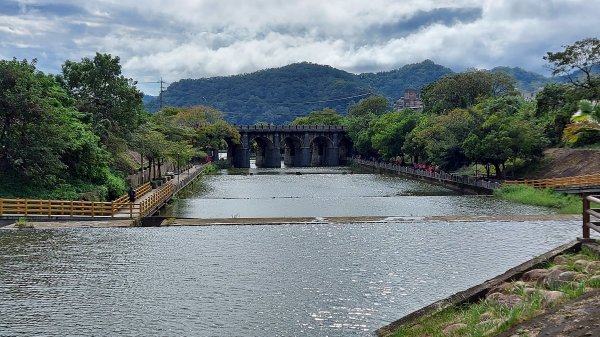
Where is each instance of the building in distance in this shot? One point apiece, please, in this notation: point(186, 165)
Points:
point(410, 100)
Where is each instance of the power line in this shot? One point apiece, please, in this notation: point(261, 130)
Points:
point(162, 89)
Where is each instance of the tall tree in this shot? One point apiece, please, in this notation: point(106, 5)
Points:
point(43, 143)
point(112, 102)
point(583, 56)
point(464, 89)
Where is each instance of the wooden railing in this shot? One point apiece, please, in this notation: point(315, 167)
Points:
point(576, 181)
point(156, 200)
point(50, 208)
point(591, 216)
point(139, 192)
point(120, 207)
point(437, 176)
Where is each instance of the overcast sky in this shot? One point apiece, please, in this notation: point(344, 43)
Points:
point(179, 39)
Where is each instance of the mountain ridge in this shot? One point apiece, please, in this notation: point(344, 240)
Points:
point(279, 95)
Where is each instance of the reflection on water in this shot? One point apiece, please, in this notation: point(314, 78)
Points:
point(322, 192)
point(289, 280)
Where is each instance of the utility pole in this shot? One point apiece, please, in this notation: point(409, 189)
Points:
point(161, 93)
point(162, 89)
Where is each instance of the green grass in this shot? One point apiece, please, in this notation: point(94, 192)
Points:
point(564, 204)
point(499, 317)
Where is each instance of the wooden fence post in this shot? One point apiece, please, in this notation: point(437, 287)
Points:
point(585, 216)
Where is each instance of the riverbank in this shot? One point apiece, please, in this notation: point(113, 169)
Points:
point(554, 294)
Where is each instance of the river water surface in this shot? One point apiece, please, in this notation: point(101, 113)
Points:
point(287, 280)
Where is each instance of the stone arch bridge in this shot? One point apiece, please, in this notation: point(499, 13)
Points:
point(299, 145)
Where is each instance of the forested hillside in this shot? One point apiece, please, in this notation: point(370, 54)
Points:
point(279, 95)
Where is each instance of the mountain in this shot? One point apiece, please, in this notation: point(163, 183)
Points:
point(527, 81)
point(279, 95)
point(412, 76)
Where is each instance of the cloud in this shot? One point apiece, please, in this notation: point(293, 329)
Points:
point(191, 39)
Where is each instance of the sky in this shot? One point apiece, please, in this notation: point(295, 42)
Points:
point(179, 39)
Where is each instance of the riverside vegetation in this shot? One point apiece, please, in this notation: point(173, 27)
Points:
point(569, 276)
point(73, 134)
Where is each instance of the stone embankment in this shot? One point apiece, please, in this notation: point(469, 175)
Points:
point(508, 304)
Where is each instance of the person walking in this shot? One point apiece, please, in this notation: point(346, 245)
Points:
point(131, 194)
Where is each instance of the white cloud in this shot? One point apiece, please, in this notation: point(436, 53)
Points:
point(189, 38)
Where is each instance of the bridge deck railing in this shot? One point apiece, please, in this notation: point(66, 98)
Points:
point(290, 128)
point(563, 182)
point(439, 176)
point(591, 216)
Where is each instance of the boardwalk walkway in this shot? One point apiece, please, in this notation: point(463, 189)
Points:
point(148, 202)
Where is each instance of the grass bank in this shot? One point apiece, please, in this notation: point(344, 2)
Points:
point(563, 203)
point(514, 302)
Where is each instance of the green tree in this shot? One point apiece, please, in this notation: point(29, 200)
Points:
point(43, 143)
point(376, 105)
point(112, 102)
point(462, 90)
point(582, 56)
point(326, 116)
point(389, 132)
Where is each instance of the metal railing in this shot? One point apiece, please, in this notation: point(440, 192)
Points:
point(591, 216)
point(433, 175)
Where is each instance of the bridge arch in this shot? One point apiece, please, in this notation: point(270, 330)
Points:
point(323, 152)
point(267, 151)
point(292, 148)
point(294, 142)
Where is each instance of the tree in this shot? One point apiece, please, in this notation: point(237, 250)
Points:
point(373, 104)
point(582, 56)
point(389, 132)
point(43, 143)
point(326, 116)
point(462, 90)
point(112, 102)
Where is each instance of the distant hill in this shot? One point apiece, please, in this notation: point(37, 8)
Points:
point(412, 76)
point(148, 99)
point(279, 95)
point(527, 81)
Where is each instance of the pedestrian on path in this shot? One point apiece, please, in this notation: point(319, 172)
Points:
point(131, 194)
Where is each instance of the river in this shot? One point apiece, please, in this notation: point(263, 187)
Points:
point(320, 279)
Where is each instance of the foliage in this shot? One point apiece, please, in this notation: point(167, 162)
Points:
point(582, 56)
point(389, 132)
point(112, 102)
point(585, 122)
point(280, 95)
point(506, 132)
point(326, 116)
point(565, 204)
point(463, 89)
point(376, 105)
point(43, 143)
